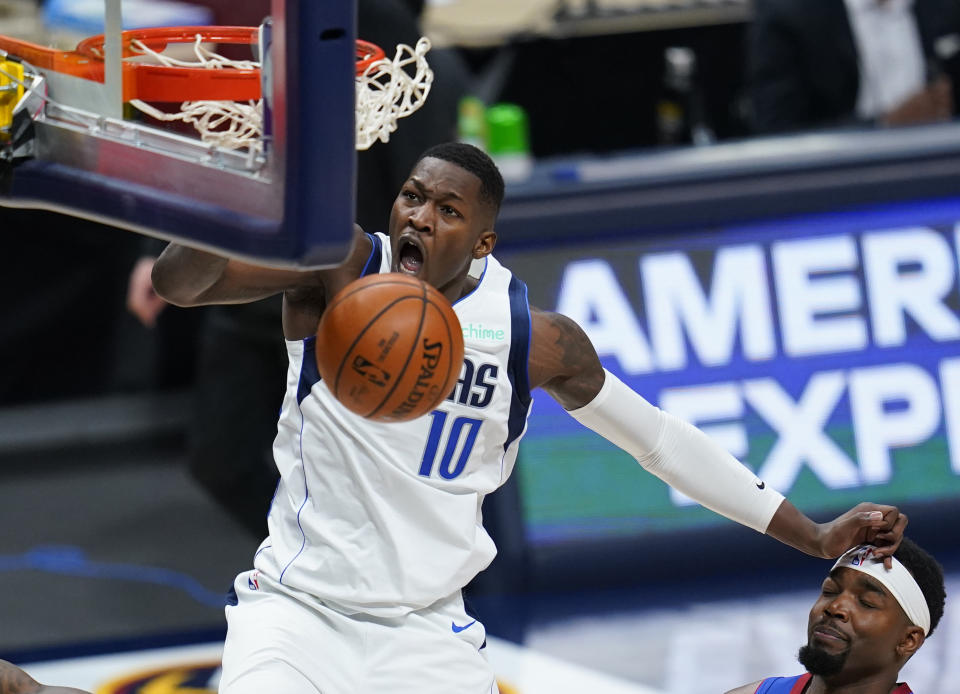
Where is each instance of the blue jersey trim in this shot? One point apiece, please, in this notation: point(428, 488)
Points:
point(372, 265)
point(472, 614)
point(518, 361)
point(309, 373)
point(306, 497)
point(778, 685)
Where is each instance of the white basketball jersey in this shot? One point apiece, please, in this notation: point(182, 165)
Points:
point(384, 518)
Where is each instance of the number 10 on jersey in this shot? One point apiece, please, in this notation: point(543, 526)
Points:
point(460, 429)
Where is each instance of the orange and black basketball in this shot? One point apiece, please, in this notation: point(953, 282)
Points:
point(389, 347)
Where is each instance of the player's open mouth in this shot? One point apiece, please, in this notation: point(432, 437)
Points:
point(410, 258)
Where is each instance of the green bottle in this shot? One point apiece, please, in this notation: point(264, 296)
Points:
point(508, 141)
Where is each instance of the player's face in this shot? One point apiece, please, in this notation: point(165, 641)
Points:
point(439, 224)
point(857, 622)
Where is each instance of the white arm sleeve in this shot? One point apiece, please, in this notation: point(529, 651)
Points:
point(679, 454)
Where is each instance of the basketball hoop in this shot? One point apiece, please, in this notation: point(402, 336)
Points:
point(242, 185)
point(221, 97)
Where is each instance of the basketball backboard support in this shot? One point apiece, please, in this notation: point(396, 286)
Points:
point(291, 205)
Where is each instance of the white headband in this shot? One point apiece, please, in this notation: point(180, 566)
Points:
point(898, 580)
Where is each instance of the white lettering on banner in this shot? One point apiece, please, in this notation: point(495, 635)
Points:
point(896, 291)
point(717, 401)
point(800, 427)
point(950, 385)
point(823, 308)
point(591, 296)
point(807, 298)
point(877, 430)
point(829, 295)
point(675, 303)
point(891, 406)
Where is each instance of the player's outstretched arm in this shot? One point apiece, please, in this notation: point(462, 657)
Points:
point(865, 523)
point(13, 680)
point(564, 363)
point(189, 277)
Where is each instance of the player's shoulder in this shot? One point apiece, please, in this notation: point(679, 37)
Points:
point(362, 244)
point(558, 343)
point(304, 304)
point(555, 327)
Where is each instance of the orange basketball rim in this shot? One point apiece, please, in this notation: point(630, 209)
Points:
point(161, 83)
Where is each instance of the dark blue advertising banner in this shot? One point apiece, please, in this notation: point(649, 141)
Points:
point(823, 351)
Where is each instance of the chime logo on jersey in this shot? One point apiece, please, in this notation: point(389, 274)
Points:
point(479, 331)
point(175, 679)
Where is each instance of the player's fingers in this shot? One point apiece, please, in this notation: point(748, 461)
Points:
point(888, 542)
point(867, 506)
point(882, 508)
point(872, 518)
point(868, 514)
point(893, 535)
point(887, 554)
point(896, 525)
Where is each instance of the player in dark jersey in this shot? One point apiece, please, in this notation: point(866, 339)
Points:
point(865, 625)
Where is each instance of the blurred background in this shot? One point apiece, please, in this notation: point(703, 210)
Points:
point(753, 208)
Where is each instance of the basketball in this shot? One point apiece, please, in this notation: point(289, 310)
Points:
point(389, 347)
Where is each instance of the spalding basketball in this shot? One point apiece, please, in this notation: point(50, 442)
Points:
point(389, 347)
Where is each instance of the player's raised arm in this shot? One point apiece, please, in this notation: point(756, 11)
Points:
point(564, 363)
point(189, 277)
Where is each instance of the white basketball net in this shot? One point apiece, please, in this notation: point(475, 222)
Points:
point(386, 92)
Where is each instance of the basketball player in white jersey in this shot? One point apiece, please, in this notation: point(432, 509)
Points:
point(376, 527)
